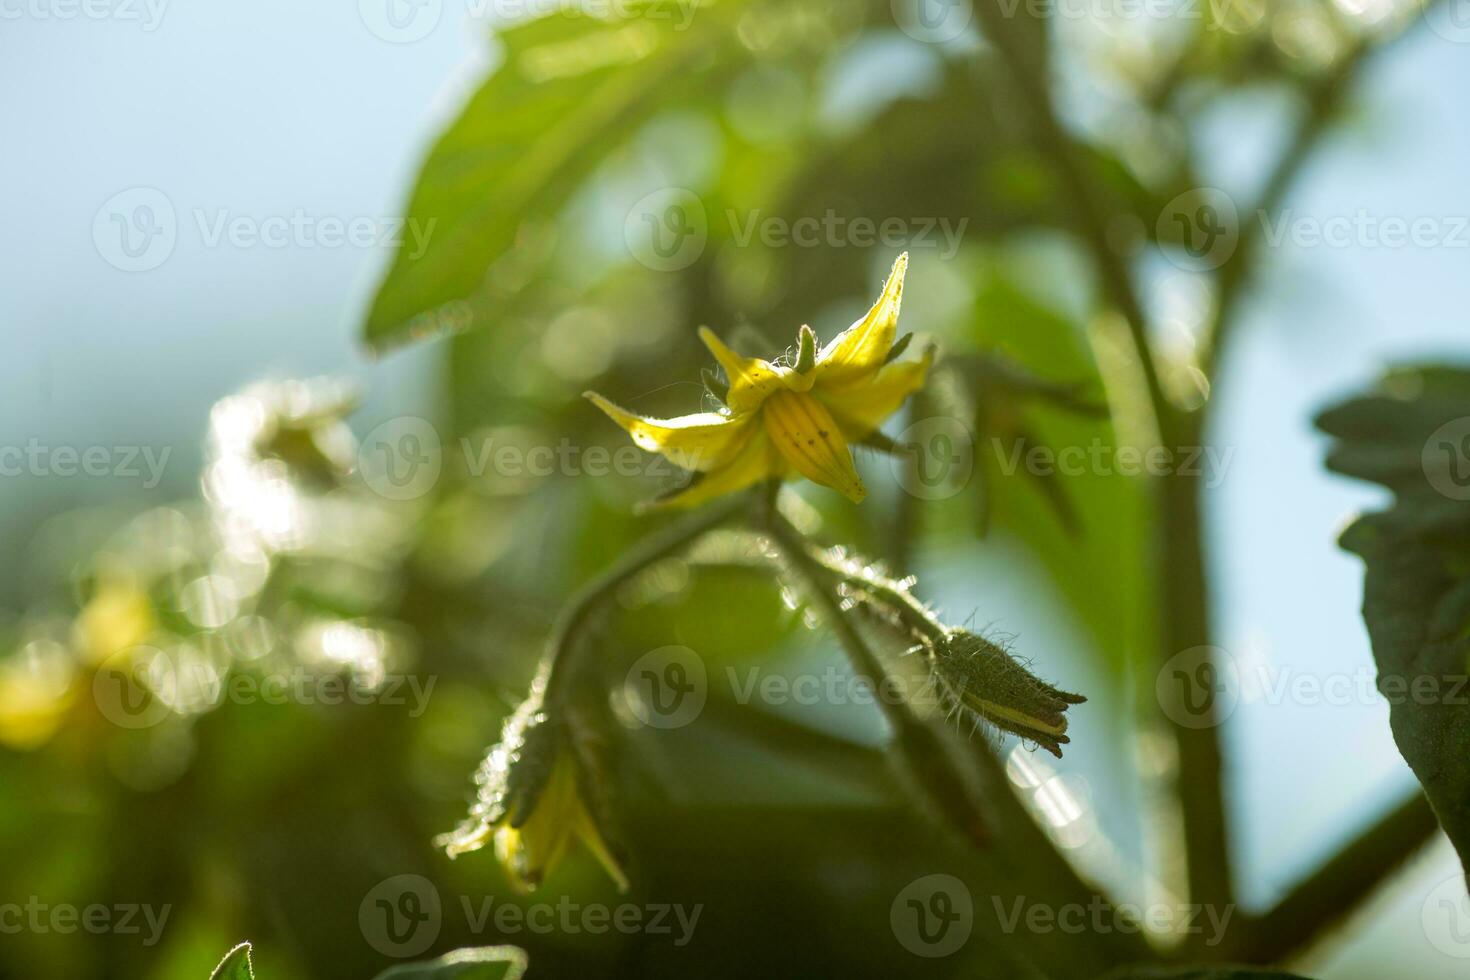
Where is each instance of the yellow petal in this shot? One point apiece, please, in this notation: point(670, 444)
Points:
point(587, 830)
point(528, 852)
point(861, 407)
point(756, 461)
point(861, 348)
point(695, 442)
point(807, 436)
point(751, 379)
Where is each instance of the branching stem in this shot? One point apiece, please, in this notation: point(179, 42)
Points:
point(952, 797)
point(562, 650)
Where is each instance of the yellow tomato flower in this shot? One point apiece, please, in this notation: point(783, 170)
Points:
point(779, 417)
point(558, 819)
point(530, 803)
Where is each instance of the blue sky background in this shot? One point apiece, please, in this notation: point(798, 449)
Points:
point(268, 107)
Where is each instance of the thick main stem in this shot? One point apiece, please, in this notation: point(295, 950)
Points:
point(1182, 593)
point(1199, 770)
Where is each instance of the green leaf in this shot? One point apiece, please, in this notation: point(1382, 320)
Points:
point(1416, 596)
point(235, 965)
point(1089, 528)
point(481, 963)
point(568, 88)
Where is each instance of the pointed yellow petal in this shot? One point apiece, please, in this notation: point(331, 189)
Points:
point(695, 442)
point(528, 852)
point(861, 348)
point(756, 461)
point(751, 379)
point(587, 830)
point(805, 433)
point(861, 407)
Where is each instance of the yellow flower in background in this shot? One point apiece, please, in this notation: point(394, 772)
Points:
point(36, 690)
point(782, 418)
point(119, 616)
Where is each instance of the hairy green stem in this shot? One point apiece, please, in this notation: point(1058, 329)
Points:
point(562, 649)
point(925, 758)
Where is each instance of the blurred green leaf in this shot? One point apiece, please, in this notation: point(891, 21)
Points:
point(1412, 437)
point(483, 963)
point(235, 965)
point(1098, 569)
point(566, 88)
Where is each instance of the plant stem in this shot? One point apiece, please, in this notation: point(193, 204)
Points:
point(1182, 593)
point(1324, 98)
point(1199, 770)
point(1087, 203)
point(949, 793)
point(562, 648)
point(1326, 896)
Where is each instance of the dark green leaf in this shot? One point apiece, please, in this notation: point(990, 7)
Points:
point(1416, 600)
